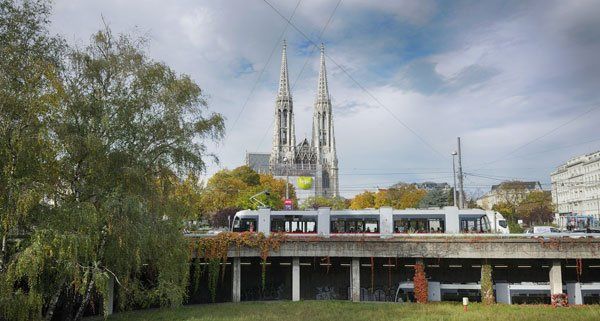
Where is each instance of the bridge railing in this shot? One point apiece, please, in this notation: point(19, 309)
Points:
point(433, 235)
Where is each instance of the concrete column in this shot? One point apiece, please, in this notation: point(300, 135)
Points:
point(110, 295)
point(434, 291)
point(296, 279)
point(264, 221)
point(574, 293)
point(503, 293)
point(324, 221)
point(556, 278)
point(386, 221)
point(355, 280)
point(237, 280)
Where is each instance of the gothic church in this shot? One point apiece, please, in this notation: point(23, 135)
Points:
point(316, 158)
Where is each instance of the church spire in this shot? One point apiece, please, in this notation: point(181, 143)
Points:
point(323, 89)
point(284, 133)
point(284, 82)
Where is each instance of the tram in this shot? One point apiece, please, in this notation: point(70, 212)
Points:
point(383, 222)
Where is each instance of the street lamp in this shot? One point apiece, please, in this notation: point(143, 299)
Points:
point(454, 153)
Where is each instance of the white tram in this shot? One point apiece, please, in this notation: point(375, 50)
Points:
point(384, 222)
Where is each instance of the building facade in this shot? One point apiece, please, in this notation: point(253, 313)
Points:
point(315, 159)
point(576, 186)
point(512, 192)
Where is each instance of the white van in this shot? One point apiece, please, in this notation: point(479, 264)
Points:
point(545, 230)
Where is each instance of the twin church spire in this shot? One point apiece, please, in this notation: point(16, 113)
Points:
point(320, 153)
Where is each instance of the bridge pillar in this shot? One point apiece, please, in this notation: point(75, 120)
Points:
point(574, 293)
point(237, 280)
point(110, 295)
point(355, 280)
point(296, 279)
point(556, 278)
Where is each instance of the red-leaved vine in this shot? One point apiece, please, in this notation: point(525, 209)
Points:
point(420, 283)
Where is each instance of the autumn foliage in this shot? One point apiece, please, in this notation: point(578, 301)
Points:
point(420, 283)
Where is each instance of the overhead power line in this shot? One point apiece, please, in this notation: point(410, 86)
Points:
point(303, 67)
point(239, 114)
point(549, 132)
point(364, 89)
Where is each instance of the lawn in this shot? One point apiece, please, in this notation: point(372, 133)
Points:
point(348, 311)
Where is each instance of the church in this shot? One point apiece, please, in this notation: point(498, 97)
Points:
point(311, 166)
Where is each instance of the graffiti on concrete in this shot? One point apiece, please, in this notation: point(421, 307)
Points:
point(326, 293)
point(384, 294)
point(271, 292)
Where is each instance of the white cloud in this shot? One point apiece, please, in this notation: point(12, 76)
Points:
point(499, 79)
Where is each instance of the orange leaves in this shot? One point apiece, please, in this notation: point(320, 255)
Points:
point(420, 283)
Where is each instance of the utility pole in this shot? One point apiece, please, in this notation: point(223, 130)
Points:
point(287, 178)
point(454, 153)
point(461, 195)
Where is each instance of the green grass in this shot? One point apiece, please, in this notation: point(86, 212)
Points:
point(348, 311)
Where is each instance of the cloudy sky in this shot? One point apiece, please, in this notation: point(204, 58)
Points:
point(518, 81)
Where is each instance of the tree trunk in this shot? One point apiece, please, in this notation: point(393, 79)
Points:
point(86, 298)
point(3, 253)
point(90, 285)
point(54, 301)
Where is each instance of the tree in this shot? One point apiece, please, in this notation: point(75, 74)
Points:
point(411, 198)
point(126, 129)
point(400, 197)
point(29, 67)
point(221, 191)
point(434, 198)
point(363, 200)
point(382, 198)
point(186, 194)
point(536, 208)
point(450, 196)
point(224, 217)
point(233, 188)
point(508, 211)
point(246, 175)
point(314, 202)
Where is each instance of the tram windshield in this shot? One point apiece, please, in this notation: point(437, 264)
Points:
point(474, 224)
point(244, 225)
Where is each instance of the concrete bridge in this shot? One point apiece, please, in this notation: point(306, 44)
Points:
point(371, 268)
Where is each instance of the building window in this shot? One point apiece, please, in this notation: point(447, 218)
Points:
point(325, 180)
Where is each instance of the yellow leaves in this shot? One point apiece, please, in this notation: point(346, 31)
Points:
point(227, 189)
point(363, 200)
point(399, 198)
point(382, 198)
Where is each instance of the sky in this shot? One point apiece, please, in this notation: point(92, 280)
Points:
point(518, 81)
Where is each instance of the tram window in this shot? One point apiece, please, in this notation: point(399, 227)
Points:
point(355, 226)
point(371, 226)
point(338, 227)
point(419, 225)
point(294, 225)
point(360, 226)
point(278, 226)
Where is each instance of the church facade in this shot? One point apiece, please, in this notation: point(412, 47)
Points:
point(313, 157)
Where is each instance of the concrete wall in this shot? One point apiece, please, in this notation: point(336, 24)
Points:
point(451, 247)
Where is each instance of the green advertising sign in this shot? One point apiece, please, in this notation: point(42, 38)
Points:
point(304, 182)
